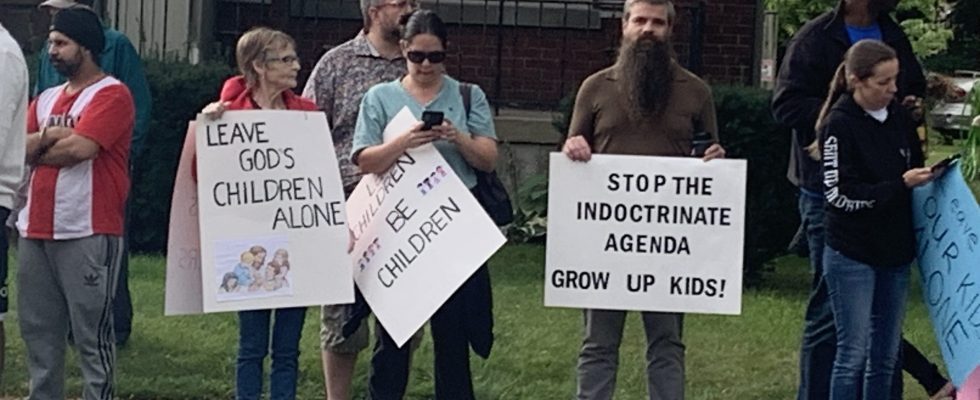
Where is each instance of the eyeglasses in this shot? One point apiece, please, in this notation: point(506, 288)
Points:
point(434, 57)
point(412, 4)
point(292, 58)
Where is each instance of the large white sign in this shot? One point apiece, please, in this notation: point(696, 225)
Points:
point(183, 283)
point(419, 233)
point(272, 216)
point(646, 233)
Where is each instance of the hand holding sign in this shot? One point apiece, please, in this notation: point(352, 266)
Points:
point(577, 149)
point(215, 110)
point(715, 151)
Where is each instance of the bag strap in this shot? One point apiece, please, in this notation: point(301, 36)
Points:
point(465, 89)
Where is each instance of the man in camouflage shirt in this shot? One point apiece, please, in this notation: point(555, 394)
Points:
point(337, 83)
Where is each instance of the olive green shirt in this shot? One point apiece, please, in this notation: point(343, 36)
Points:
point(602, 117)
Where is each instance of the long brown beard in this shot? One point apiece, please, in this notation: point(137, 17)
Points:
point(646, 76)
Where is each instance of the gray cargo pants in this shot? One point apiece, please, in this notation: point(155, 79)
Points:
point(599, 358)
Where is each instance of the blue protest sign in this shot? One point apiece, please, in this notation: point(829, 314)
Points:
point(947, 228)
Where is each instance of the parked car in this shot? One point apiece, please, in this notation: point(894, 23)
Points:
point(952, 115)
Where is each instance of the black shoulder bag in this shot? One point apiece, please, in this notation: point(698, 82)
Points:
point(489, 191)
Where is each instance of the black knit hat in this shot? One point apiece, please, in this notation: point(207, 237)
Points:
point(81, 25)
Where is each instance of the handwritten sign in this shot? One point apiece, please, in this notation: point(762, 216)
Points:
point(645, 233)
point(419, 233)
point(272, 217)
point(183, 283)
point(947, 228)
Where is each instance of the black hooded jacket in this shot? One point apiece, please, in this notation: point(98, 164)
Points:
point(811, 59)
point(868, 215)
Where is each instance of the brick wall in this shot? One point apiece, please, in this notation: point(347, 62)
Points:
point(729, 41)
point(538, 65)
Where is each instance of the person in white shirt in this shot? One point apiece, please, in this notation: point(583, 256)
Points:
point(13, 130)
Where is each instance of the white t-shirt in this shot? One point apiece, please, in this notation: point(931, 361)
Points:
point(13, 118)
point(880, 115)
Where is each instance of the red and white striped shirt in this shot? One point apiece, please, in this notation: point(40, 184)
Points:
point(87, 198)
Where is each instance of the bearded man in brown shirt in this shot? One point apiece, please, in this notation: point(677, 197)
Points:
point(645, 104)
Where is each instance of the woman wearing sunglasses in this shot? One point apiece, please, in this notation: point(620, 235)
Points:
point(467, 141)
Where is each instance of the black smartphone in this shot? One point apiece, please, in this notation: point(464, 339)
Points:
point(700, 143)
point(430, 119)
point(944, 162)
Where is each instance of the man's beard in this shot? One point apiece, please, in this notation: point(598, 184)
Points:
point(67, 67)
point(646, 75)
point(393, 34)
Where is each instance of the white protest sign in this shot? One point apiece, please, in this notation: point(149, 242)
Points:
point(646, 233)
point(183, 283)
point(272, 216)
point(419, 233)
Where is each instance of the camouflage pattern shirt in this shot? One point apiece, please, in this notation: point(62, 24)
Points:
point(337, 83)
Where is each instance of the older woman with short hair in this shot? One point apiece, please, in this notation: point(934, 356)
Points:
point(268, 64)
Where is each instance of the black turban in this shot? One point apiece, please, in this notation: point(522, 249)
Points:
point(82, 26)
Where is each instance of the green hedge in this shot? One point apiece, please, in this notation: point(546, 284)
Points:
point(747, 130)
point(179, 91)
point(962, 54)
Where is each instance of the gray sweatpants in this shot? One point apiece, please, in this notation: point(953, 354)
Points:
point(62, 282)
point(599, 358)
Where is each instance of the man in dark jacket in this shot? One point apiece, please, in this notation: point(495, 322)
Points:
point(801, 88)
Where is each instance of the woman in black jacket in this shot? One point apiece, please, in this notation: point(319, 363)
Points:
point(871, 159)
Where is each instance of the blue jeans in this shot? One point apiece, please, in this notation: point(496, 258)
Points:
point(869, 305)
point(819, 343)
point(253, 346)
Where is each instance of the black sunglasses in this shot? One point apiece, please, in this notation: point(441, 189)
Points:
point(434, 57)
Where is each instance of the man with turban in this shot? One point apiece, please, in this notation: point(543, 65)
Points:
point(71, 227)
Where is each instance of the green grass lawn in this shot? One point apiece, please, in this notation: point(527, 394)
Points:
point(752, 356)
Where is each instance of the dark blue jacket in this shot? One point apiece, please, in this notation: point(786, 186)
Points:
point(811, 59)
